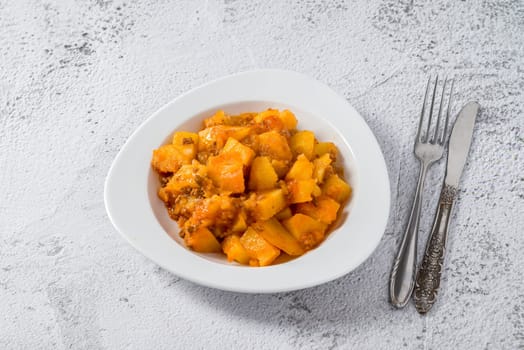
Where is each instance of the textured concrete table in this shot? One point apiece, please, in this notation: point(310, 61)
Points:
point(76, 78)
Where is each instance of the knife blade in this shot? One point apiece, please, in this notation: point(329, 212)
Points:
point(460, 142)
point(427, 282)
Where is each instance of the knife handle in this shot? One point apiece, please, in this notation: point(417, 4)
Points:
point(429, 273)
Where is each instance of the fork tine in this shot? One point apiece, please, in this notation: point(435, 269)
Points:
point(419, 138)
point(431, 108)
point(434, 139)
point(445, 132)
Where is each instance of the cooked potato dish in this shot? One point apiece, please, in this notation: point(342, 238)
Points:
point(252, 186)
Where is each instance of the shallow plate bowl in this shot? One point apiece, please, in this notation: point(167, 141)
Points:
point(141, 218)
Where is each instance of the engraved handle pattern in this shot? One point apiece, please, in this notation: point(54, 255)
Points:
point(430, 271)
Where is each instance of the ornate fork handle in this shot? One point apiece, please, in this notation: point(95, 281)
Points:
point(430, 271)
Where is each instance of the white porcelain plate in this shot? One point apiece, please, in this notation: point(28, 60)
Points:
point(141, 218)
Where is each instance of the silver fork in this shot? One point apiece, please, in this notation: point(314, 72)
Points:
point(428, 151)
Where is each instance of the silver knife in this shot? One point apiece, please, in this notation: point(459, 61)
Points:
point(428, 276)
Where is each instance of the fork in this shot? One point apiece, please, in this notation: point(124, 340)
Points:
point(428, 151)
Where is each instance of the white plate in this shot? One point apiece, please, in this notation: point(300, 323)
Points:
point(141, 218)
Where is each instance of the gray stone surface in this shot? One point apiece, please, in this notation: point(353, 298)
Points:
point(77, 77)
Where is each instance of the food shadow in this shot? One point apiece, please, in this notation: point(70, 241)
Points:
point(356, 298)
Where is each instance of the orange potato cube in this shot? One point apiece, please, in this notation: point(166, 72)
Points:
point(239, 224)
point(286, 213)
point(187, 143)
point(320, 166)
point(288, 119)
point(303, 142)
point(274, 145)
point(301, 190)
point(281, 167)
point(308, 231)
point(270, 120)
point(336, 188)
point(215, 137)
point(168, 159)
point(277, 235)
point(185, 138)
point(258, 249)
point(273, 119)
point(227, 172)
point(234, 250)
point(262, 175)
point(202, 241)
point(322, 148)
point(184, 178)
point(268, 203)
point(302, 169)
point(246, 153)
point(323, 209)
point(205, 211)
point(218, 118)
point(317, 191)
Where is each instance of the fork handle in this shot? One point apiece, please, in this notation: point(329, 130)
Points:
point(403, 273)
point(429, 274)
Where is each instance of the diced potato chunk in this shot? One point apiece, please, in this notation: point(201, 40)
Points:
point(234, 250)
point(262, 175)
point(281, 167)
point(277, 235)
point(303, 142)
point(289, 119)
point(168, 159)
point(202, 241)
point(320, 166)
point(215, 137)
point(258, 249)
point(322, 148)
point(270, 120)
point(317, 191)
point(336, 188)
point(187, 143)
point(185, 138)
point(209, 211)
point(323, 209)
point(246, 153)
point(273, 119)
point(274, 145)
point(188, 176)
point(268, 203)
point(302, 169)
point(284, 214)
point(218, 118)
point(239, 224)
point(227, 172)
point(308, 231)
point(270, 112)
point(301, 190)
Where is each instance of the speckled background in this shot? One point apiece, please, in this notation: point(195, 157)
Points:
point(77, 77)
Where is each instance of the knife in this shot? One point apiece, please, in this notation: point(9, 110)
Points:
point(428, 276)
